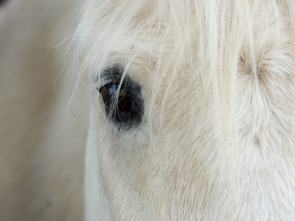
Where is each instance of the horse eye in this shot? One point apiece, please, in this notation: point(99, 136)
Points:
point(123, 103)
point(120, 99)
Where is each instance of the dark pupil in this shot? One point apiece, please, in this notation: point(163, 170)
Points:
point(122, 99)
point(121, 109)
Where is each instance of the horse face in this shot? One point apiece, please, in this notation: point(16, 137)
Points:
point(182, 110)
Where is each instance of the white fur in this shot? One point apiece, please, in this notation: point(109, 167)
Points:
point(217, 136)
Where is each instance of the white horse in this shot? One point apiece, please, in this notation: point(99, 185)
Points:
point(190, 115)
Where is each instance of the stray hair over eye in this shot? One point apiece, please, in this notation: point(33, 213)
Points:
point(122, 98)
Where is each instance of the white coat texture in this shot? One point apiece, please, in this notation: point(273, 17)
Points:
point(216, 140)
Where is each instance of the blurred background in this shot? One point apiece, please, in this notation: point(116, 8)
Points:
point(42, 130)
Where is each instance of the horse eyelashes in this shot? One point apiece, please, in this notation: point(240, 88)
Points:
point(122, 99)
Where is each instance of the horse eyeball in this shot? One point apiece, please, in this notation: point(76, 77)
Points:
point(119, 98)
point(122, 100)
